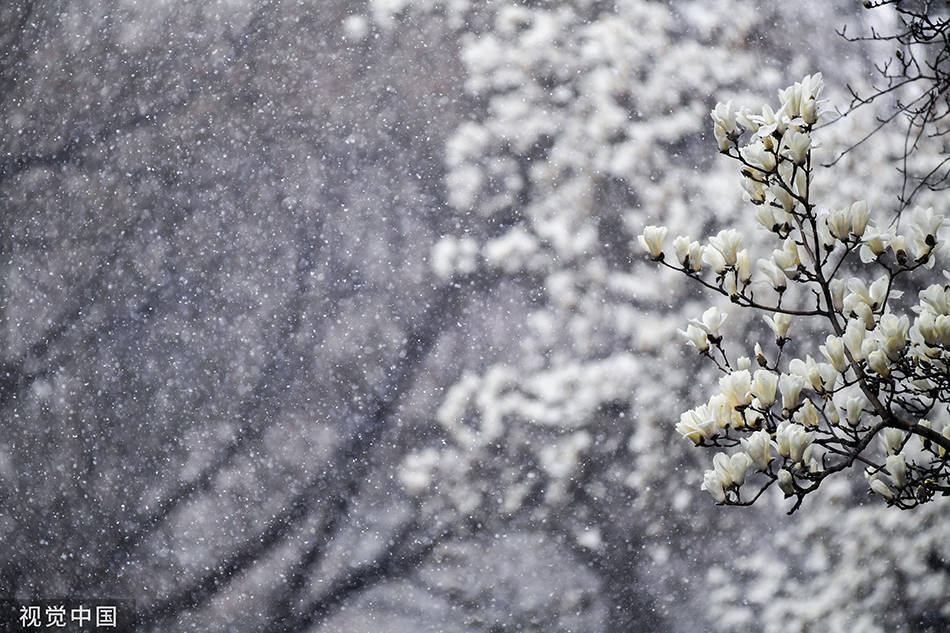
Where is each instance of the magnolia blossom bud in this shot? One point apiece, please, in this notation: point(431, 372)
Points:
point(785, 482)
point(652, 240)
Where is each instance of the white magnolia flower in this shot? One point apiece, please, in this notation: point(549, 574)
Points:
point(837, 287)
point(758, 156)
point(899, 247)
point(715, 260)
point(839, 223)
point(811, 87)
point(681, 249)
point(725, 116)
point(833, 350)
point(730, 283)
point(827, 240)
point(737, 388)
point(768, 122)
point(795, 146)
point(808, 370)
point(779, 322)
point(897, 468)
point(755, 189)
point(880, 488)
point(873, 295)
point(936, 298)
point(713, 486)
point(787, 258)
point(743, 267)
point(689, 254)
point(927, 224)
point(698, 424)
point(790, 387)
point(774, 274)
point(696, 336)
point(807, 414)
point(731, 470)
point(727, 242)
point(763, 387)
point(758, 447)
point(792, 441)
point(784, 198)
point(892, 440)
point(712, 320)
point(860, 215)
point(877, 360)
point(722, 137)
point(874, 246)
point(891, 333)
point(652, 240)
point(853, 409)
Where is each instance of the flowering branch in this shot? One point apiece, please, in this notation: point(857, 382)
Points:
point(884, 376)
